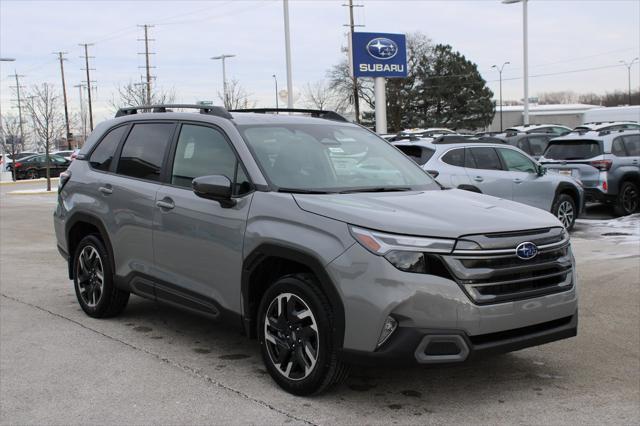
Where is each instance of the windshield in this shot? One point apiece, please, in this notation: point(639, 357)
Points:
point(331, 158)
point(572, 150)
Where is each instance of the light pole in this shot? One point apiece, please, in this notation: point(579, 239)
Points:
point(13, 142)
point(525, 41)
point(500, 72)
point(275, 79)
point(287, 48)
point(629, 65)
point(223, 57)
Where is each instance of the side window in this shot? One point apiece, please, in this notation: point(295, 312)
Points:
point(516, 162)
point(632, 143)
point(486, 158)
point(469, 161)
point(523, 144)
point(617, 148)
point(559, 130)
point(102, 156)
point(143, 152)
point(455, 157)
point(537, 145)
point(204, 151)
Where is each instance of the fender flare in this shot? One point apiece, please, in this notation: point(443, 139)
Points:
point(267, 250)
point(80, 217)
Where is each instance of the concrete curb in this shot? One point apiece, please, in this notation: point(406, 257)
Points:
point(25, 181)
point(43, 192)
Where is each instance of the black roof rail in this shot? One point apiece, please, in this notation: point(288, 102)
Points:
point(318, 113)
point(204, 109)
point(454, 139)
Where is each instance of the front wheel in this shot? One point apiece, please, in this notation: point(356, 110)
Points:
point(295, 331)
point(565, 210)
point(628, 199)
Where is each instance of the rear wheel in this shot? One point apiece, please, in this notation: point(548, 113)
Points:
point(628, 199)
point(295, 332)
point(32, 174)
point(93, 280)
point(565, 210)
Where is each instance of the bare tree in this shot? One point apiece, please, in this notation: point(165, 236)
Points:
point(236, 97)
point(10, 136)
point(320, 95)
point(48, 120)
point(134, 94)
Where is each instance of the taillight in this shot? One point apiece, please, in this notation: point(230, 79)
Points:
point(604, 186)
point(17, 165)
point(64, 178)
point(602, 165)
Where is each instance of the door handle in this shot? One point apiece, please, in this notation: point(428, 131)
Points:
point(478, 178)
point(165, 203)
point(106, 190)
point(517, 180)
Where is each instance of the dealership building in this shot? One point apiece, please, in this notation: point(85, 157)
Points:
point(570, 115)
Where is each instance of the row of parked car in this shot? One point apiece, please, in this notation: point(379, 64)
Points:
point(33, 165)
point(547, 166)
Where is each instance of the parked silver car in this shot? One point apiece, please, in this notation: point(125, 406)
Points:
point(500, 170)
point(607, 163)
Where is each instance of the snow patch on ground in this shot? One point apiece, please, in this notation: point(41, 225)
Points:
point(622, 230)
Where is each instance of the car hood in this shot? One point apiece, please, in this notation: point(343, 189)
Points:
point(449, 213)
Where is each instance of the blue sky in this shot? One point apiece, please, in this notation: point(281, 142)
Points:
point(564, 36)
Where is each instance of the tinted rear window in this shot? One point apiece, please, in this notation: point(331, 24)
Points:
point(455, 157)
point(418, 154)
point(143, 152)
point(573, 150)
point(633, 145)
point(102, 156)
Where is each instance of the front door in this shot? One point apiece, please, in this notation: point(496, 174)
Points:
point(197, 242)
point(528, 186)
point(486, 172)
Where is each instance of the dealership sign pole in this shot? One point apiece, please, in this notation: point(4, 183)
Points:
point(379, 56)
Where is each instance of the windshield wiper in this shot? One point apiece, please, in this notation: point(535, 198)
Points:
point(302, 191)
point(376, 189)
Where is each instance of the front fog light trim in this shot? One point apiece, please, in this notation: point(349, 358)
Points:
point(390, 325)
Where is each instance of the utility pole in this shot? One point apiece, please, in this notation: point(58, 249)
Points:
point(64, 96)
point(86, 61)
point(146, 56)
point(19, 99)
point(500, 71)
point(275, 79)
point(351, 25)
point(287, 48)
point(629, 65)
point(83, 115)
point(223, 57)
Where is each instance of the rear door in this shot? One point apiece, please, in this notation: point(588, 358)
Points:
point(486, 172)
point(451, 169)
point(197, 243)
point(528, 187)
point(578, 158)
point(131, 195)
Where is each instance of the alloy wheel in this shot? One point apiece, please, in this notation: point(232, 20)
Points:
point(90, 275)
point(566, 213)
point(291, 336)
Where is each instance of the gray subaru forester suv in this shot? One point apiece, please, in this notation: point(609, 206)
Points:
point(311, 234)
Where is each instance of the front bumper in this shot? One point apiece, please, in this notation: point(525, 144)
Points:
point(412, 346)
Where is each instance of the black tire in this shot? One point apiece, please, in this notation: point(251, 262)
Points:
point(328, 369)
point(32, 174)
point(109, 301)
point(628, 201)
point(565, 210)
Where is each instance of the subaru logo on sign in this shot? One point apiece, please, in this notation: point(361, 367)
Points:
point(526, 250)
point(382, 48)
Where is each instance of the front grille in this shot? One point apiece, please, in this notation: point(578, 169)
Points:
point(497, 275)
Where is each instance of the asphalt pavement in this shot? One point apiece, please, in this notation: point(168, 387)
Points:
point(156, 364)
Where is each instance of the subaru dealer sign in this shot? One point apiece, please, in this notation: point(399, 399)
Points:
point(379, 55)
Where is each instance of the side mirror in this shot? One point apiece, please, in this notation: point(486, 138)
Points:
point(434, 173)
point(541, 170)
point(217, 187)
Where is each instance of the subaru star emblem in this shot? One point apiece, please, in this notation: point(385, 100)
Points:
point(526, 250)
point(382, 48)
